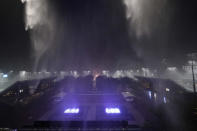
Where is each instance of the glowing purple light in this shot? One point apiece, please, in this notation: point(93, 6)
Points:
point(149, 94)
point(164, 99)
point(72, 111)
point(112, 110)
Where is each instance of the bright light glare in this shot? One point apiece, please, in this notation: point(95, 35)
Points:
point(164, 100)
point(155, 95)
point(167, 89)
point(112, 110)
point(149, 94)
point(5, 76)
point(72, 111)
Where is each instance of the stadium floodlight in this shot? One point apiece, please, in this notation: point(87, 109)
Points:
point(112, 110)
point(71, 111)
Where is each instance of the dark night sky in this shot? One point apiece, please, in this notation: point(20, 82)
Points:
point(98, 35)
